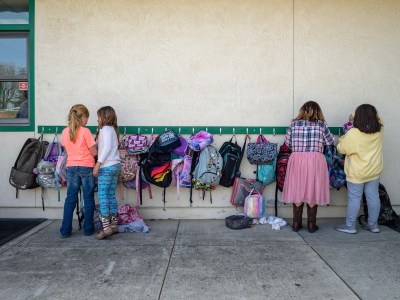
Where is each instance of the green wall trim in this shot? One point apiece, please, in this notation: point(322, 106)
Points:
point(230, 130)
point(15, 27)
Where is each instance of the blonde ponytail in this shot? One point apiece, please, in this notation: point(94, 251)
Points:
point(75, 119)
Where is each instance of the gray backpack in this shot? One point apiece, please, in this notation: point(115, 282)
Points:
point(207, 173)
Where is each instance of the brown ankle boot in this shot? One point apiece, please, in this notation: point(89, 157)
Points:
point(114, 224)
point(297, 217)
point(106, 228)
point(312, 218)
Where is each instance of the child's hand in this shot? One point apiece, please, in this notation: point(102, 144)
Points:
point(96, 170)
point(351, 118)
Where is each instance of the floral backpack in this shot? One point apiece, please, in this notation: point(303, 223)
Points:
point(129, 166)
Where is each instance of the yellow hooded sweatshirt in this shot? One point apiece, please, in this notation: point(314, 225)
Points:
point(364, 159)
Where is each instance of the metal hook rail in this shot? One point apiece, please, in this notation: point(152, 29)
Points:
point(227, 130)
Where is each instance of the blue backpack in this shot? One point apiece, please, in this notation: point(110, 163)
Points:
point(335, 162)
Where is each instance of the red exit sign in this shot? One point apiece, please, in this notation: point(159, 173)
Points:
point(23, 86)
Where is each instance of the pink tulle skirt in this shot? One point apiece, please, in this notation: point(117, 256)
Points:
point(306, 179)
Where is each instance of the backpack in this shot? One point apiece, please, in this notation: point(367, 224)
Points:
point(135, 143)
point(167, 141)
point(262, 152)
point(61, 169)
point(177, 168)
point(280, 171)
point(243, 187)
point(47, 167)
point(207, 174)
point(185, 178)
point(155, 168)
point(200, 140)
point(22, 174)
point(266, 173)
point(281, 165)
point(254, 206)
point(232, 155)
point(129, 166)
point(335, 162)
point(387, 216)
point(237, 222)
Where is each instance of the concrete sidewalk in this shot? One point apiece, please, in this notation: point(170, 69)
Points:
point(202, 259)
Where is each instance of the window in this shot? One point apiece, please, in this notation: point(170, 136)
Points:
point(16, 65)
point(14, 12)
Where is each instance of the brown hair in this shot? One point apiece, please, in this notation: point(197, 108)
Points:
point(108, 117)
point(366, 119)
point(310, 111)
point(75, 119)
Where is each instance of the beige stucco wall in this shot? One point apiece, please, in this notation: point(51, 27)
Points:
point(221, 63)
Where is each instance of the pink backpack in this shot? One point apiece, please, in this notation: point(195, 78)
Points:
point(136, 144)
point(61, 169)
point(176, 168)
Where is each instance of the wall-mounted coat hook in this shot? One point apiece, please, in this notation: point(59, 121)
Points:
point(220, 131)
point(273, 131)
point(179, 131)
point(260, 131)
point(138, 130)
point(124, 130)
point(193, 130)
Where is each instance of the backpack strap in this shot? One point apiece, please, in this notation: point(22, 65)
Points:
point(42, 195)
point(276, 201)
point(137, 180)
point(164, 191)
point(80, 209)
point(57, 184)
point(195, 156)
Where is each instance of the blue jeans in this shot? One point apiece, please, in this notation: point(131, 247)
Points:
point(354, 195)
point(77, 177)
point(107, 183)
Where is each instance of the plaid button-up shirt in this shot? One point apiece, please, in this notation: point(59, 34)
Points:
point(306, 136)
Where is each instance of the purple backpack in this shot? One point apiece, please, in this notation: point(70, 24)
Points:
point(200, 140)
point(53, 151)
point(185, 176)
point(181, 150)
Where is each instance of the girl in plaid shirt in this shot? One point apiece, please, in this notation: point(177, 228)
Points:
point(307, 178)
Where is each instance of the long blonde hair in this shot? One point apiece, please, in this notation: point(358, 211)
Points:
point(310, 111)
point(108, 117)
point(75, 119)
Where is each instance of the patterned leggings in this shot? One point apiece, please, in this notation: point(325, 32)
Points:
point(107, 183)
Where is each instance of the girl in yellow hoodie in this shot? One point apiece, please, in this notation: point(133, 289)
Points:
point(363, 165)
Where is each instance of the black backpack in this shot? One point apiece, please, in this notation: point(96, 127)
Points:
point(232, 155)
point(387, 215)
point(167, 141)
point(155, 168)
point(21, 175)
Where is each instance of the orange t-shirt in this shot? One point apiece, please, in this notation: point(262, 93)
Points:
point(78, 154)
